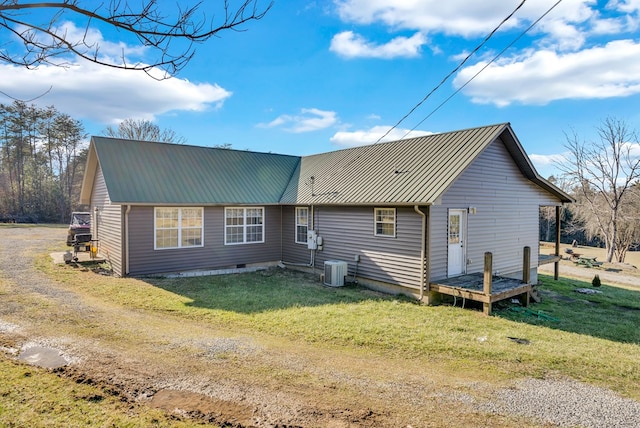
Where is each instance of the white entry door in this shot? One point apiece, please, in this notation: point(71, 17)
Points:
point(457, 239)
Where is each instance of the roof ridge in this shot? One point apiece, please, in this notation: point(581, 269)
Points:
point(190, 146)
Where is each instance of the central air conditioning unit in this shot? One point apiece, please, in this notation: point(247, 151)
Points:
point(334, 272)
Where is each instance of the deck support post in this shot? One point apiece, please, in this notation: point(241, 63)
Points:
point(556, 264)
point(488, 278)
point(526, 265)
point(526, 273)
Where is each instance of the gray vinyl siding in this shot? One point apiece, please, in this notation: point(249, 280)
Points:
point(144, 260)
point(108, 227)
point(506, 219)
point(349, 231)
point(292, 252)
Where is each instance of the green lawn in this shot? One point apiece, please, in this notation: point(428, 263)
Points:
point(612, 314)
point(598, 332)
point(592, 338)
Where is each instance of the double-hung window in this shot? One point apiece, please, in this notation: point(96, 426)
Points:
point(243, 225)
point(385, 222)
point(177, 227)
point(302, 224)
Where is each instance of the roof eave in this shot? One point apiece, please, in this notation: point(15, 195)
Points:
point(89, 175)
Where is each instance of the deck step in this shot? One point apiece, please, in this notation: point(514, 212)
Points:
point(534, 295)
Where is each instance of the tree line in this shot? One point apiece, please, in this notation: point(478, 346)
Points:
point(42, 156)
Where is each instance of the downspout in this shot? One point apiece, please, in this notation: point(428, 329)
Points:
point(422, 249)
point(312, 262)
point(126, 240)
point(95, 223)
point(281, 233)
point(556, 265)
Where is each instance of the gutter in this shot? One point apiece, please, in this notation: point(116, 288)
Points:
point(126, 240)
point(416, 208)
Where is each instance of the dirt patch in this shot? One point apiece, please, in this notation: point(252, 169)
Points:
point(202, 407)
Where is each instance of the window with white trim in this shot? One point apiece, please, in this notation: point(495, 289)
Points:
point(302, 224)
point(176, 227)
point(385, 221)
point(243, 225)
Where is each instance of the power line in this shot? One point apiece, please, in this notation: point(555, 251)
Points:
point(458, 67)
point(498, 55)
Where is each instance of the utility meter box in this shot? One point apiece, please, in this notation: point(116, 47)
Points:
point(312, 240)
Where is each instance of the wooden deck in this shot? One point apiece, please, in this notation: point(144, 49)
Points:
point(544, 259)
point(472, 287)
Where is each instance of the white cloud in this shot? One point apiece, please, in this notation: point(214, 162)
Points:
point(309, 119)
point(566, 27)
point(465, 18)
point(107, 95)
point(460, 17)
point(628, 6)
point(547, 160)
point(612, 70)
point(370, 136)
point(351, 45)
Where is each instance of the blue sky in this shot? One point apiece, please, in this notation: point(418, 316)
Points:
point(315, 76)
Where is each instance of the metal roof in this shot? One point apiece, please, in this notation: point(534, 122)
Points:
point(158, 173)
point(412, 171)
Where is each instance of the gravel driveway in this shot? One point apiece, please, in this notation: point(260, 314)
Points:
point(177, 365)
point(607, 276)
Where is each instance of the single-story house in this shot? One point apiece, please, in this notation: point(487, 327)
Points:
point(402, 214)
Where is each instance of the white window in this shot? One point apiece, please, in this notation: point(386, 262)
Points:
point(302, 224)
point(178, 227)
point(243, 225)
point(385, 221)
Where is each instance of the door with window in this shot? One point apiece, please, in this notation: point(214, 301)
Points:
point(457, 240)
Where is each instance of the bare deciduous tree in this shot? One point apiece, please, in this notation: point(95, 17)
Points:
point(602, 174)
point(143, 130)
point(629, 226)
point(38, 33)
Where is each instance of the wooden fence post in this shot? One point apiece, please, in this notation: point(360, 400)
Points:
point(488, 279)
point(556, 265)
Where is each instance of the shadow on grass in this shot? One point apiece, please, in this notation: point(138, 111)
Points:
point(262, 291)
point(610, 313)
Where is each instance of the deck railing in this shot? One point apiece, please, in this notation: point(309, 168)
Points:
point(488, 278)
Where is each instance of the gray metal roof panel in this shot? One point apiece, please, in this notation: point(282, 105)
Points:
point(146, 172)
point(412, 171)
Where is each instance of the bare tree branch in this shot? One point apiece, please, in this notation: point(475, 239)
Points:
point(603, 174)
point(30, 99)
point(171, 37)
